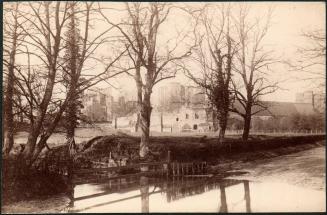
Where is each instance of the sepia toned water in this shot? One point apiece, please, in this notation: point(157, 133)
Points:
point(193, 194)
point(289, 183)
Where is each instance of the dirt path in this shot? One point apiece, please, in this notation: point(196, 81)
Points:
point(305, 169)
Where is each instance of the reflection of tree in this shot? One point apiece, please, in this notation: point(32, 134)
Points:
point(176, 189)
point(71, 195)
point(223, 206)
point(144, 188)
point(179, 189)
point(223, 201)
point(247, 196)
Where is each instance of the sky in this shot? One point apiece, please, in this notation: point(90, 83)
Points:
point(289, 20)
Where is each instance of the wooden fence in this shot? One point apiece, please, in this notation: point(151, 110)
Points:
point(277, 132)
point(101, 171)
point(165, 168)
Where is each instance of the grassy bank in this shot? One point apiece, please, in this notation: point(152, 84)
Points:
point(209, 150)
point(184, 148)
point(122, 146)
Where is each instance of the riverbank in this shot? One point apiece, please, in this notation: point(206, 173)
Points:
point(184, 149)
point(301, 164)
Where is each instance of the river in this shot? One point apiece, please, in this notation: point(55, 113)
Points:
point(289, 183)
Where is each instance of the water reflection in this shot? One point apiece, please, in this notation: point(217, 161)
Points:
point(144, 188)
point(170, 191)
point(247, 196)
point(223, 205)
point(197, 194)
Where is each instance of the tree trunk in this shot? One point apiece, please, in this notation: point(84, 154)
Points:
point(21, 115)
point(247, 196)
point(246, 129)
point(30, 145)
point(71, 117)
point(161, 122)
point(72, 51)
point(214, 120)
point(115, 122)
point(9, 117)
point(137, 122)
point(223, 200)
point(52, 67)
point(222, 128)
point(8, 102)
point(144, 189)
point(71, 125)
point(145, 125)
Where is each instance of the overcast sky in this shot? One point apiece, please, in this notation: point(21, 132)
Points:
point(289, 20)
point(284, 36)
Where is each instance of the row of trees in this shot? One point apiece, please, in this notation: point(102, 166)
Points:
point(294, 122)
point(233, 60)
point(54, 51)
point(51, 73)
point(45, 58)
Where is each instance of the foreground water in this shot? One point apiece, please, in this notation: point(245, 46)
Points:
point(289, 183)
point(193, 194)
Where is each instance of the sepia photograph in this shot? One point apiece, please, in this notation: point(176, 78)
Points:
point(163, 107)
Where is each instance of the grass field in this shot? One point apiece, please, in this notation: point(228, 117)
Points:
point(85, 134)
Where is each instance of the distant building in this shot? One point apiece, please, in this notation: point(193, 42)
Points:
point(185, 119)
point(100, 105)
point(304, 97)
point(317, 100)
point(97, 103)
point(194, 95)
point(171, 94)
point(174, 95)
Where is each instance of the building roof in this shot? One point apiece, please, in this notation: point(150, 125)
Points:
point(274, 108)
point(280, 108)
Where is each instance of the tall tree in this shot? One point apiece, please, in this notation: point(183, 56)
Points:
point(52, 36)
point(213, 57)
point(252, 61)
point(311, 58)
point(78, 51)
point(11, 43)
point(71, 74)
point(141, 36)
point(40, 83)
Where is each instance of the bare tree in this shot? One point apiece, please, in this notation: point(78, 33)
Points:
point(50, 48)
point(71, 72)
point(79, 50)
point(12, 34)
point(141, 35)
point(311, 58)
point(252, 61)
point(213, 56)
point(41, 84)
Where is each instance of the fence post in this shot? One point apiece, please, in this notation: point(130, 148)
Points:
point(167, 166)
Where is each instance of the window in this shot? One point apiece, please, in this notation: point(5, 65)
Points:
point(186, 116)
point(195, 126)
point(196, 116)
point(177, 119)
